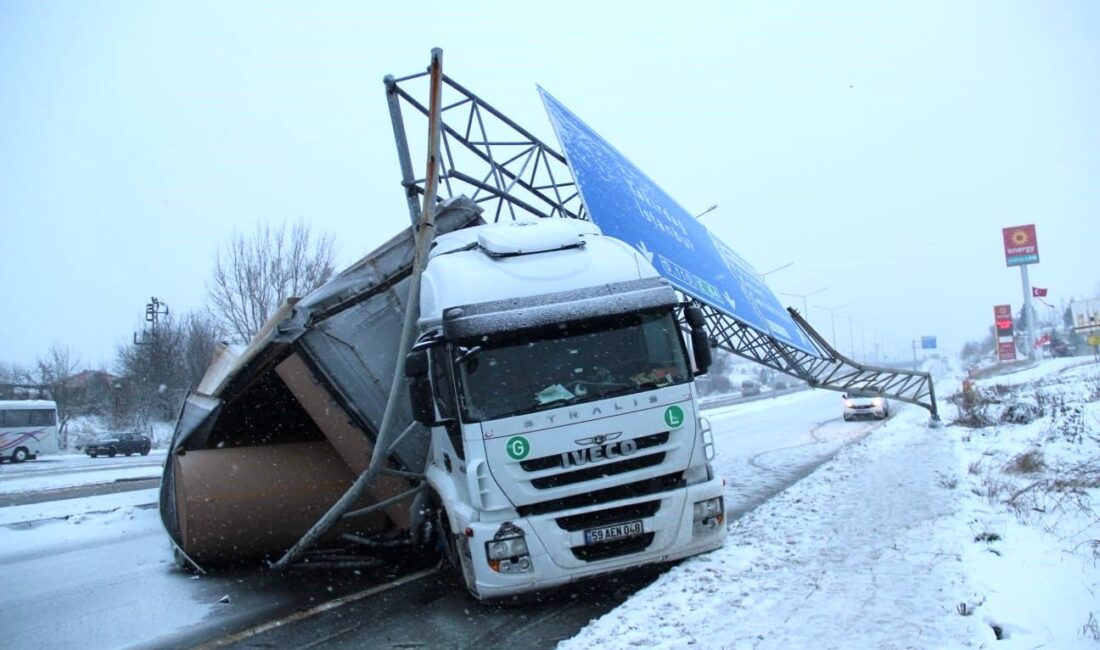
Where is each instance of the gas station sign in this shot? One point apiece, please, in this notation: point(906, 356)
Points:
point(1002, 317)
point(1021, 246)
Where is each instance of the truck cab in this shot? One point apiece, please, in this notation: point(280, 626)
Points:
point(566, 437)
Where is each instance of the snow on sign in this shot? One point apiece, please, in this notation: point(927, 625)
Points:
point(628, 205)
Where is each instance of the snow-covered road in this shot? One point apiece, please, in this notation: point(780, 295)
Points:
point(106, 561)
point(905, 538)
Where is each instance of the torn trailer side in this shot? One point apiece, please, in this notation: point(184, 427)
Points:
point(277, 432)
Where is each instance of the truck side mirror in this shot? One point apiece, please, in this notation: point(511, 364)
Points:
point(700, 340)
point(420, 388)
point(700, 347)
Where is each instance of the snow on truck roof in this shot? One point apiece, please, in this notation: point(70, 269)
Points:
point(522, 258)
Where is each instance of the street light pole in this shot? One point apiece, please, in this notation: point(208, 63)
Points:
point(804, 296)
point(778, 268)
point(710, 209)
point(832, 318)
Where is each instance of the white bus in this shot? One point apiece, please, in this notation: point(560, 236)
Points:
point(27, 428)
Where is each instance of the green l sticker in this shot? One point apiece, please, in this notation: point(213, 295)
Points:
point(674, 417)
point(518, 447)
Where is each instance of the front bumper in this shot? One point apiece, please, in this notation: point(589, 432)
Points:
point(560, 556)
point(875, 412)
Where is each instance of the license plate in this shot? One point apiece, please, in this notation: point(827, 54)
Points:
point(611, 533)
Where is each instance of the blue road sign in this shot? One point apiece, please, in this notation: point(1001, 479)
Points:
point(928, 342)
point(628, 205)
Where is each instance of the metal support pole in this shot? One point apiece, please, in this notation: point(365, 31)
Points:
point(403, 156)
point(424, 234)
point(1029, 321)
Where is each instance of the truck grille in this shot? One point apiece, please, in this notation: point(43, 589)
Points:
point(548, 462)
point(609, 516)
point(654, 485)
point(598, 471)
point(607, 550)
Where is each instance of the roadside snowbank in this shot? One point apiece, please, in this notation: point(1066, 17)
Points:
point(73, 470)
point(888, 546)
point(66, 508)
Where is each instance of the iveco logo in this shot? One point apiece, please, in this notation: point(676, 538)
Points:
point(602, 449)
point(599, 440)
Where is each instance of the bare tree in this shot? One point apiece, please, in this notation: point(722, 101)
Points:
point(200, 337)
point(157, 373)
point(52, 374)
point(15, 381)
point(254, 275)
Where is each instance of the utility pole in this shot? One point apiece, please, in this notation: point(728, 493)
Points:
point(154, 309)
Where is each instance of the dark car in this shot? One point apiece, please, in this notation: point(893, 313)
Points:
point(120, 443)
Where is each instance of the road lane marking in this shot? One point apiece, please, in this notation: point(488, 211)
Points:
point(318, 609)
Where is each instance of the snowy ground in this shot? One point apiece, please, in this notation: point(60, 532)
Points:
point(57, 471)
point(911, 538)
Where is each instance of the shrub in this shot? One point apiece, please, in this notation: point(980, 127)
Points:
point(1028, 462)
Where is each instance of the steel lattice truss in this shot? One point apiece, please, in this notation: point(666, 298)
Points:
point(509, 172)
point(487, 157)
point(830, 369)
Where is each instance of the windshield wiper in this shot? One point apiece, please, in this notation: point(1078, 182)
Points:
point(466, 353)
point(561, 401)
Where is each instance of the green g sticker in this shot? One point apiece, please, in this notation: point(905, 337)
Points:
point(674, 417)
point(518, 447)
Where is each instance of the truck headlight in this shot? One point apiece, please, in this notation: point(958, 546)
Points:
point(877, 401)
point(507, 552)
point(708, 515)
point(507, 548)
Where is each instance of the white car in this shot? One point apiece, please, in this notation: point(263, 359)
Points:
point(864, 404)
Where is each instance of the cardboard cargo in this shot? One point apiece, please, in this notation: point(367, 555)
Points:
point(252, 502)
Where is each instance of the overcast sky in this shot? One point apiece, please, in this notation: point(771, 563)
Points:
point(880, 147)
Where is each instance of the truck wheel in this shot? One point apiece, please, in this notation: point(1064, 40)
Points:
point(111, 452)
point(144, 452)
point(452, 552)
point(93, 453)
point(20, 455)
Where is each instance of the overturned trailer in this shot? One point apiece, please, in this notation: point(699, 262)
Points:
point(276, 433)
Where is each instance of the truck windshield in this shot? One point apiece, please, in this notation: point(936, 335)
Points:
point(514, 373)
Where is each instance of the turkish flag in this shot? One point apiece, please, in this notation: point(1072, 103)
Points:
point(1036, 292)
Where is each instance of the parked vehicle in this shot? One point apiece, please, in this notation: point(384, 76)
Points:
point(749, 388)
point(27, 428)
point(865, 404)
point(120, 443)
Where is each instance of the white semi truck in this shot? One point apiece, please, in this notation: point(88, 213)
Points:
point(553, 432)
point(566, 440)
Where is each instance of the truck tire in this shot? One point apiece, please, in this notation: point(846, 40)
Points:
point(451, 551)
point(20, 455)
point(111, 452)
point(145, 452)
point(92, 453)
